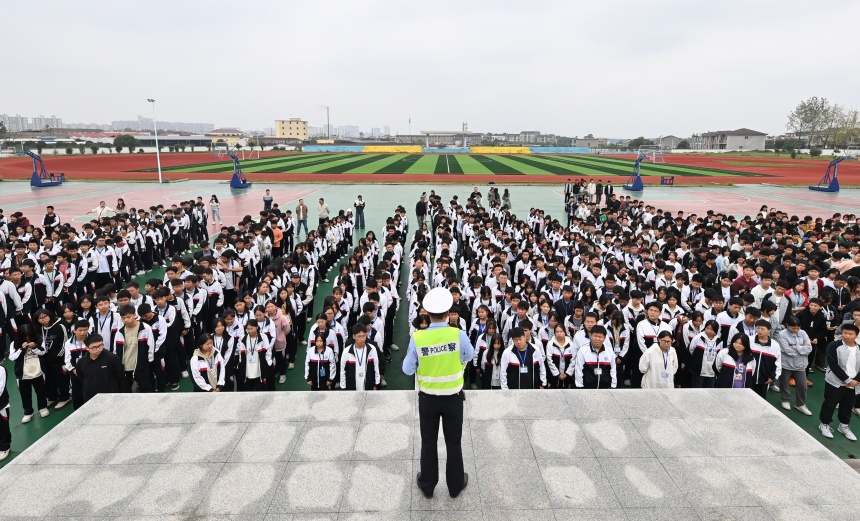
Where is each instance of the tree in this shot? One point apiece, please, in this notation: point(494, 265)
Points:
point(684, 144)
point(127, 141)
point(40, 145)
point(82, 148)
point(814, 152)
point(69, 150)
point(810, 118)
point(2, 130)
point(638, 142)
point(589, 136)
point(182, 148)
point(94, 148)
point(251, 143)
point(238, 146)
point(847, 132)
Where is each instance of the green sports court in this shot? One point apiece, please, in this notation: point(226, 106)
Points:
point(470, 164)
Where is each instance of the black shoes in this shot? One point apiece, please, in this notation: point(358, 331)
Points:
point(453, 494)
point(465, 482)
point(426, 494)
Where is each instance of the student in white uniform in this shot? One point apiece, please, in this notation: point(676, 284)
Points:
point(659, 363)
point(359, 365)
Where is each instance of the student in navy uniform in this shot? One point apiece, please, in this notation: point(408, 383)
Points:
point(594, 367)
point(359, 364)
point(522, 365)
point(768, 358)
point(254, 358)
point(320, 365)
point(76, 348)
point(225, 343)
point(207, 366)
point(840, 382)
point(51, 336)
point(491, 361)
point(134, 344)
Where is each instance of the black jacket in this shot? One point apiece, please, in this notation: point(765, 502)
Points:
point(105, 374)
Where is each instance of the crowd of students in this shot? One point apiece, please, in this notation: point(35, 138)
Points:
point(617, 293)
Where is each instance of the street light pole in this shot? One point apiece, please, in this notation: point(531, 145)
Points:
point(157, 149)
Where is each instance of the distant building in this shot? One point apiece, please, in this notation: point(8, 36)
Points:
point(670, 141)
point(526, 137)
point(347, 131)
point(144, 123)
point(293, 128)
point(230, 136)
point(590, 142)
point(740, 139)
point(386, 131)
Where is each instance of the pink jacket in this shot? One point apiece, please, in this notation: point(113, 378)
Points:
point(282, 329)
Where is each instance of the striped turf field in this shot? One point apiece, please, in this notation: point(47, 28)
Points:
point(471, 164)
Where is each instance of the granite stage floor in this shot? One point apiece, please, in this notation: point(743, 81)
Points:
point(543, 455)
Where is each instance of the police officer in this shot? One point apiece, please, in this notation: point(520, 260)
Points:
point(436, 357)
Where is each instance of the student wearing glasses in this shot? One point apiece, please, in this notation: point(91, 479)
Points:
point(659, 363)
point(101, 371)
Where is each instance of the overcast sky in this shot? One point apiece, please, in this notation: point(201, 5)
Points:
point(610, 68)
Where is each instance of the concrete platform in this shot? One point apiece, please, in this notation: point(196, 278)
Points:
point(543, 455)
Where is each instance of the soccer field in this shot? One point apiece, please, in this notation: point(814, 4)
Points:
point(471, 164)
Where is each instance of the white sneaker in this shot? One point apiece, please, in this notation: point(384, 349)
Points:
point(774, 388)
point(184, 374)
point(62, 403)
point(474, 387)
point(282, 379)
point(395, 347)
point(844, 429)
point(786, 406)
point(857, 411)
point(384, 383)
point(4, 454)
point(325, 280)
point(304, 342)
point(825, 430)
point(51, 402)
point(291, 366)
point(27, 418)
point(44, 412)
point(804, 409)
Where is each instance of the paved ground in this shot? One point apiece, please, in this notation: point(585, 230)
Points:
point(691, 454)
point(75, 199)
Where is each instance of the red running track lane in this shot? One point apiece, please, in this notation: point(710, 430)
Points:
point(794, 171)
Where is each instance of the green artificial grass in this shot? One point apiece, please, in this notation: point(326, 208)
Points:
point(537, 164)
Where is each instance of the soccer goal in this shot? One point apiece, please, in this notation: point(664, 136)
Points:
point(250, 154)
point(653, 153)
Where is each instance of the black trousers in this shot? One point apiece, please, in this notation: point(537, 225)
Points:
point(844, 397)
point(56, 382)
point(77, 391)
point(760, 389)
point(5, 432)
point(26, 388)
point(450, 410)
